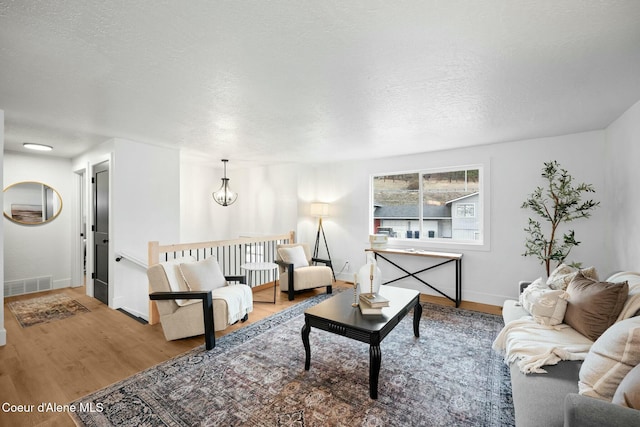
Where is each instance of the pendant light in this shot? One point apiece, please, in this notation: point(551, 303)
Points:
point(225, 196)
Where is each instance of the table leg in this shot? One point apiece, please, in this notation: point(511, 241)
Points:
point(417, 315)
point(375, 357)
point(306, 329)
point(275, 285)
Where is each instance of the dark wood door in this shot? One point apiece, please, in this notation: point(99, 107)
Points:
point(101, 232)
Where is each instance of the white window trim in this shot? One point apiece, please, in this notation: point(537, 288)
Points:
point(484, 204)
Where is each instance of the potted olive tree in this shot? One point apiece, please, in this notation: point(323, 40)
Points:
point(558, 201)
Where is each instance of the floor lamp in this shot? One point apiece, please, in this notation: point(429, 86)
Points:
point(321, 210)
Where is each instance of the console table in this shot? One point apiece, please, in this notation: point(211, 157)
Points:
point(447, 256)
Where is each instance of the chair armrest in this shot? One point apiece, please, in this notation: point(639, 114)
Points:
point(207, 310)
point(239, 279)
point(179, 295)
point(284, 265)
point(584, 411)
point(326, 262)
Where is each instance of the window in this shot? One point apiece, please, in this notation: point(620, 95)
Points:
point(443, 205)
point(466, 210)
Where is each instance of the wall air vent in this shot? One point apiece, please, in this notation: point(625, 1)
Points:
point(27, 286)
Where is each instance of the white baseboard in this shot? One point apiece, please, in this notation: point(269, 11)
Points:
point(62, 283)
point(3, 336)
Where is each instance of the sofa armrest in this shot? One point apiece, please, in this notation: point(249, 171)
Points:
point(586, 411)
point(522, 285)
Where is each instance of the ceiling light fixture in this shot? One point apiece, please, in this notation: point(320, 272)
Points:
point(225, 196)
point(38, 147)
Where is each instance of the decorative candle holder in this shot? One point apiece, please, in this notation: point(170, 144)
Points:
point(371, 279)
point(355, 291)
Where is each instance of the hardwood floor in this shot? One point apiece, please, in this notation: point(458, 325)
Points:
point(61, 361)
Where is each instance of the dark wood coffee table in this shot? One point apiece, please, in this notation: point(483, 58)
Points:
point(336, 315)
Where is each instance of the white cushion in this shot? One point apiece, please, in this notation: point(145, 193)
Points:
point(308, 278)
point(546, 306)
point(611, 357)
point(203, 275)
point(174, 276)
point(294, 255)
point(564, 274)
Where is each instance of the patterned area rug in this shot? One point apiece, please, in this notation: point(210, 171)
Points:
point(45, 309)
point(255, 377)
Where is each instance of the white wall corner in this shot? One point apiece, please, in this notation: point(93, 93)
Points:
point(3, 331)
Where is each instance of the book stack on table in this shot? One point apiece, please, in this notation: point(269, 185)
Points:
point(372, 303)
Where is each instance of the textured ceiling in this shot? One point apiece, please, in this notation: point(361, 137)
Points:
point(325, 80)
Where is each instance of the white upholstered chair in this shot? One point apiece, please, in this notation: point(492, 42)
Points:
point(194, 298)
point(297, 271)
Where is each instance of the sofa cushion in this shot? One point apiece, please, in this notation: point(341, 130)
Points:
point(512, 310)
point(203, 275)
point(628, 392)
point(563, 274)
point(611, 357)
point(546, 306)
point(538, 398)
point(294, 255)
point(594, 306)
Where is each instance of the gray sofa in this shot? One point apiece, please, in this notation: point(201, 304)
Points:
point(551, 399)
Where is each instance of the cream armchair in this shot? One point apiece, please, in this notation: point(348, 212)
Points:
point(297, 272)
point(199, 307)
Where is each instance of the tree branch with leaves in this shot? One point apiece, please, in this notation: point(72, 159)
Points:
point(559, 201)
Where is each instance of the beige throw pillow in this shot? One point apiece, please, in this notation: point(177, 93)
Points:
point(564, 274)
point(594, 306)
point(546, 306)
point(294, 255)
point(175, 279)
point(610, 359)
point(628, 392)
point(203, 275)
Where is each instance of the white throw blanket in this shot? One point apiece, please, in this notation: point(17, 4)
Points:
point(632, 304)
point(239, 299)
point(533, 345)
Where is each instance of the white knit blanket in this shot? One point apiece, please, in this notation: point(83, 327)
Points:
point(533, 345)
point(239, 299)
point(632, 304)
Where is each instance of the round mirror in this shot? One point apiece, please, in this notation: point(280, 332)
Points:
point(31, 203)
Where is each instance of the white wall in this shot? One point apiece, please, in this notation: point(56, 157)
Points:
point(266, 204)
point(144, 206)
point(489, 276)
point(267, 201)
point(270, 197)
point(145, 194)
point(623, 195)
point(40, 250)
point(201, 219)
point(3, 331)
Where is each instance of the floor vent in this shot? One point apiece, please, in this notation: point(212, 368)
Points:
point(27, 286)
